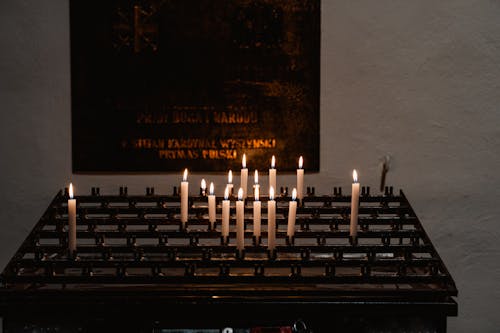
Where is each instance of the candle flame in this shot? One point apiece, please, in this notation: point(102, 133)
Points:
point(230, 177)
point(240, 194)
point(256, 193)
point(185, 176)
point(226, 193)
point(355, 175)
point(71, 190)
point(244, 161)
point(211, 188)
point(203, 184)
point(294, 194)
point(301, 162)
point(273, 162)
point(271, 193)
point(256, 177)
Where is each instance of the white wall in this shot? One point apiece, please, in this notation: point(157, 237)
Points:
point(418, 79)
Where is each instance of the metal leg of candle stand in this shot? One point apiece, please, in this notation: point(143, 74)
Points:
point(271, 254)
point(353, 240)
point(183, 226)
point(240, 254)
point(224, 240)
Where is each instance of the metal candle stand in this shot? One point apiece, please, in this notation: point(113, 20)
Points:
point(138, 233)
point(132, 240)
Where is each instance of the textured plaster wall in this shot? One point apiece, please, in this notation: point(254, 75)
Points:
point(419, 80)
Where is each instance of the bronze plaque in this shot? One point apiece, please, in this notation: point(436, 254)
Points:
point(160, 85)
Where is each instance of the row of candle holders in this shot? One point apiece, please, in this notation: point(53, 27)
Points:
point(310, 191)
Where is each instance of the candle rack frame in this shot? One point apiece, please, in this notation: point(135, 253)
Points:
point(137, 245)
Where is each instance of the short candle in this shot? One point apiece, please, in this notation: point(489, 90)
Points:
point(244, 176)
point(300, 179)
point(271, 221)
point(240, 222)
point(272, 173)
point(230, 182)
point(211, 206)
point(184, 199)
point(256, 180)
point(257, 205)
point(225, 215)
point(292, 212)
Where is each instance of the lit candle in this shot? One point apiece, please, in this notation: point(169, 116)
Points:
point(271, 221)
point(203, 188)
point(211, 206)
point(71, 221)
point(256, 180)
point(256, 215)
point(272, 173)
point(354, 205)
point(244, 176)
point(230, 182)
point(292, 211)
point(184, 199)
point(225, 215)
point(300, 179)
point(240, 222)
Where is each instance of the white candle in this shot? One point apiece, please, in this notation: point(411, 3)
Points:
point(292, 212)
point(211, 206)
point(230, 182)
point(240, 221)
point(184, 199)
point(256, 215)
point(272, 174)
point(71, 221)
point(271, 221)
point(256, 181)
point(203, 187)
point(225, 214)
point(300, 179)
point(354, 205)
point(244, 176)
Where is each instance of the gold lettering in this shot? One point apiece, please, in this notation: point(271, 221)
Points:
point(206, 154)
point(219, 154)
point(221, 146)
point(187, 117)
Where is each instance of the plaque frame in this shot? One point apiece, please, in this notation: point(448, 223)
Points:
point(200, 102)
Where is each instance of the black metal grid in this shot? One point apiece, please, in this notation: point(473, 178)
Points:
point(131, 240)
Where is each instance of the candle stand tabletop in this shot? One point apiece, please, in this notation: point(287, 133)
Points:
point(136, 268)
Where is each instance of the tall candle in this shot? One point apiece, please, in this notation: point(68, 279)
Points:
point(272, 173)
point(225, 214)
point(71, 221)
point(184, 199)
point(244, 176)
point(203, 188)
point(230, 182)
point(256, 215)
point(211, 206)
point(292, 212)
point(271, 221)
point(240, 221)
point(354, 205)
point(300, 179)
